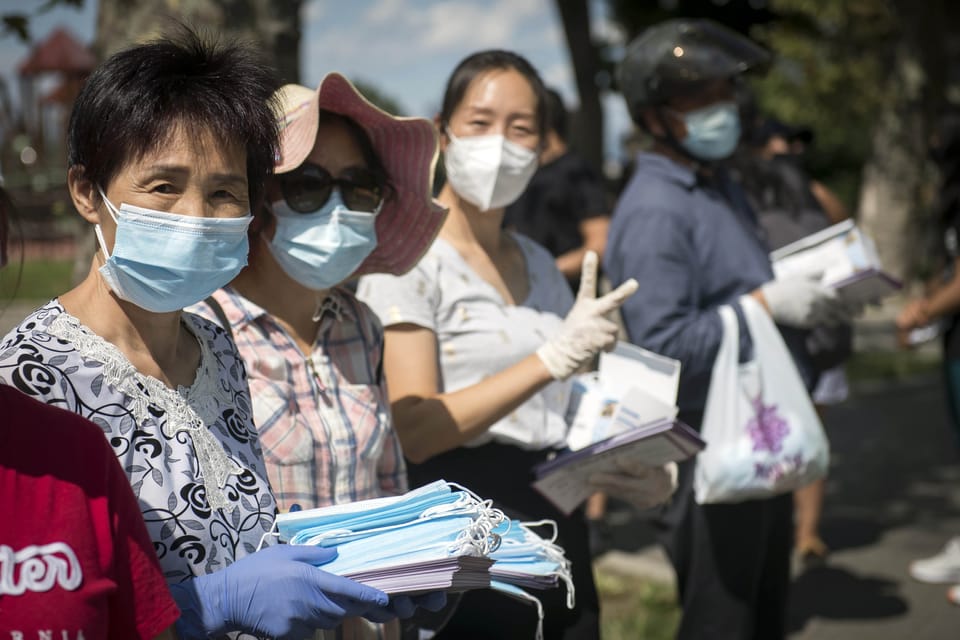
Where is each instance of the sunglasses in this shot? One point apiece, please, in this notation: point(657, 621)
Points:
point(307, 188)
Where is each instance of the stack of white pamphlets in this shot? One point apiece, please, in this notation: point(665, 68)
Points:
point(622, 416)
point(845, 256)
point(451, 574)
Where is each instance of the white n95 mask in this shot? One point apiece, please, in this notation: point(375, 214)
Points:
point(488, 171)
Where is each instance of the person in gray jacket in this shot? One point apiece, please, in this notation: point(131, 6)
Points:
point(685, 231)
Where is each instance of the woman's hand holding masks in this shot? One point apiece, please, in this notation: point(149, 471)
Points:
point(403, 606)
point(587, 329)
point(278, 592)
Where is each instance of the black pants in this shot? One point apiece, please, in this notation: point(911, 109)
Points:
point(951, 377)
point(502, 473)
point(732, 562)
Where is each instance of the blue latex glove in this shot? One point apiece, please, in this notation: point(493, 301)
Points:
point(403, 606)
point(278, 592)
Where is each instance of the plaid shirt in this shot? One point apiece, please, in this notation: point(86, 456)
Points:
point(324, 419)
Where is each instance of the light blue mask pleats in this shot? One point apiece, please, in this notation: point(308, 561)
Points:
point(437, 521)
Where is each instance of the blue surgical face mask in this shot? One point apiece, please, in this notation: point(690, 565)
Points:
point(296, 526)
point(322, 249)
point(164, 261)
point(427, 539)
point(712, 132)
point(432, 522)
point(525, 559)
point(336, 533)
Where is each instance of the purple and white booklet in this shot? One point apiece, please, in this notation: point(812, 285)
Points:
point(623, 415)
point(564, 481)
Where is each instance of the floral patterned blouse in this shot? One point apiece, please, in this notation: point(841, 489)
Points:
point(191, 454)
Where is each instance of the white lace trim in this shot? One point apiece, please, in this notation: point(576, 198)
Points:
point(189, 409)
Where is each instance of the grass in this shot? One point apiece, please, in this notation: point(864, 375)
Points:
point(633, 609)
point(892, 365)
point(35, 280)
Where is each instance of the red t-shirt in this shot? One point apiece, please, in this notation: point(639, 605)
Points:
point(75, 557)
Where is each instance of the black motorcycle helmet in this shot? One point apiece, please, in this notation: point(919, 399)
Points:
point(680, 56)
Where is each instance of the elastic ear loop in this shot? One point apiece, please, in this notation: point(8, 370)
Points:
point(521, 593)
point(489, 520)
point(475, 539)
point(460, 487)
point(479, 535)
point(96, 228)
point(487, 513)
point(465, 504)
point(555, 553)
point(273, 531)
point(546, 522)
point(495, 514)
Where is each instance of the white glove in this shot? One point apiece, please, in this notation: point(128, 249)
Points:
point(643, 487)
point(802, 301)
point(586, 330)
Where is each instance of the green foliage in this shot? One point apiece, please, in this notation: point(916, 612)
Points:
point(632, 608)
point(829, 72)
point(16, 24)
point(37, 280)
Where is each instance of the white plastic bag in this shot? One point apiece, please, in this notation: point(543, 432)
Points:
point(762, 432)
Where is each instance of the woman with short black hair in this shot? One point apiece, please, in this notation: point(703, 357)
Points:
point(169, 146)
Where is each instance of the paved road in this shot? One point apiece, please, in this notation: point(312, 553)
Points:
point(893, 495)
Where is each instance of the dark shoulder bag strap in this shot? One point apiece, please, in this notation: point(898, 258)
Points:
point(221, 316)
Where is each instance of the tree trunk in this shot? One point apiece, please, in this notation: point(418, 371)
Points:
point(897, 179)
point(892, 192)
point(586, 135)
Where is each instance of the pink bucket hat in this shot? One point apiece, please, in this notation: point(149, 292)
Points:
point(410, 219)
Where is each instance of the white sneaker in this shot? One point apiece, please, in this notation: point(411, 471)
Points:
point(941, 568)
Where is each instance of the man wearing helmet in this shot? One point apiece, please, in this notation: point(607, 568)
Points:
point(687, 234)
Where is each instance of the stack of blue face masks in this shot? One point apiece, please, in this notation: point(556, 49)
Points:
point(527, 560)
point(524, 560)
point(436, 537)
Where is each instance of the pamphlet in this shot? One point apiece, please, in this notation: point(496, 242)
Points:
point(624, 415)
point(564, 481)
point(845, 256)
point(651, 379)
